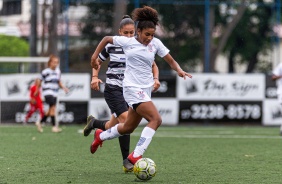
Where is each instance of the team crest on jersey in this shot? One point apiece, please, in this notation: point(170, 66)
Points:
point(141, 94)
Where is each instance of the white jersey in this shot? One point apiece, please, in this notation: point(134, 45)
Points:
point(139, 60)
point(50, 81)
point(116, 66)
point(278, 72)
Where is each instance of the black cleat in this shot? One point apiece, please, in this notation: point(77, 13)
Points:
point(127, 166)
point(89, 126)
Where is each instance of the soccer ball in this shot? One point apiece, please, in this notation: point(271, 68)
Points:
point(145, 169)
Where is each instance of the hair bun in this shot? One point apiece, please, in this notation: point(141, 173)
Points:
point(126, 16)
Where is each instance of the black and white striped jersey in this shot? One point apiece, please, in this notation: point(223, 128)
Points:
point(50, 81)
point(116, 66)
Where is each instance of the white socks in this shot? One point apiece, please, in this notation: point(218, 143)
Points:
point(110, 133)
point(144, 141)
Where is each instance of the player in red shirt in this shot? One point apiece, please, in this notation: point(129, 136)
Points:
point(35, 102)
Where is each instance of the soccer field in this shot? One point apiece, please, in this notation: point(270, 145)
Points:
point(183, 154)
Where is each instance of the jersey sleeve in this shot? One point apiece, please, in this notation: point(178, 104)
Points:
point(277, 70)
point(121, 41)
point(162, 50)
point(103, 55)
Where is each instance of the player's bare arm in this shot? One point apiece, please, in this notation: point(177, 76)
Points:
point(94, 62)
point(175, 66)
point(95, 81)
point(155, 70)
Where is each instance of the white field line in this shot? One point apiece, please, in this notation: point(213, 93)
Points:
point(205, 136)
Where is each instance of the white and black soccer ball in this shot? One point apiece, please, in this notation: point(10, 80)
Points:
point(145, 169)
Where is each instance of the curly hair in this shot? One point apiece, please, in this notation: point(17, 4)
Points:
point(145, 17)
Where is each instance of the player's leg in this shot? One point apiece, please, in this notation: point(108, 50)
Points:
point(119, 108)
point(132, 121)
point(110, 94)
point(32, 109)
point(124, 143)
point(40, 107)
point(148, 111)
point(49, 101)
point(280, 102)
point(93, 123)
point(55, 128)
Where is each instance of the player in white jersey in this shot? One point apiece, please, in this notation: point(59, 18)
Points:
point(138, 80)
point(277, 76)
point(51, 83)
point(113, 92)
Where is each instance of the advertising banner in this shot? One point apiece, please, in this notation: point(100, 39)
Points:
point(270, 87)
point(168, 110)
point(219, 111)
point(221, 87)
point(68, 112)
point(99, 109)
point(78, 85)
point(16, 87)
point(272, 113)
point(167, 88)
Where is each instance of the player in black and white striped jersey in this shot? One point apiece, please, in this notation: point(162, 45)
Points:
point(51, 83)
point(113, 92)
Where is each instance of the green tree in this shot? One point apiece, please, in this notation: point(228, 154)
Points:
point(251, 37)
point(12, 46)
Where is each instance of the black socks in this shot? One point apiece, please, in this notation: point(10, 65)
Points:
point(124, 142)
point(100, 124)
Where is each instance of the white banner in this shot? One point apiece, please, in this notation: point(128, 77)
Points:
point(15, 87)
point(272, 112)
point(98, 108)
point(222, 87)
point(78, 85)
point(168, 109)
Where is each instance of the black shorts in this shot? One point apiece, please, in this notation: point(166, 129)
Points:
point(114, 97)
point(50, 100)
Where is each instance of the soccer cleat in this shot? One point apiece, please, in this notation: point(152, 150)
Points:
point(56, 129)
point(89, 126)
point(97, 141)
point(132, 159)
point(39, 127)
point(127, 166)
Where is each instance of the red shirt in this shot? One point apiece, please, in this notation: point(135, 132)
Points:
point(32, 95)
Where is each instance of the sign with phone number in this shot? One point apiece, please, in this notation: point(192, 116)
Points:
point(217, 111)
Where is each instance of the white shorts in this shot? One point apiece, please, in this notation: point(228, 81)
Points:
point(135, 95)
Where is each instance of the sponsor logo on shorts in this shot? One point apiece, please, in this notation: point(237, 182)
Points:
point(141, 94)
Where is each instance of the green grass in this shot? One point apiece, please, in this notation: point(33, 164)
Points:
point(183, 155)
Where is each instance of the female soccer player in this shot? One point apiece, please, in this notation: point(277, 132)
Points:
point(51, 82)
point(113, 89)
point(35, 102)
point(138, 80)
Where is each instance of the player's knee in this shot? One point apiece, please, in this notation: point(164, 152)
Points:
point(158, 121)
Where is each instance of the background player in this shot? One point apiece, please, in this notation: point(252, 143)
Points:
point(35, 102)
point(51, 83)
